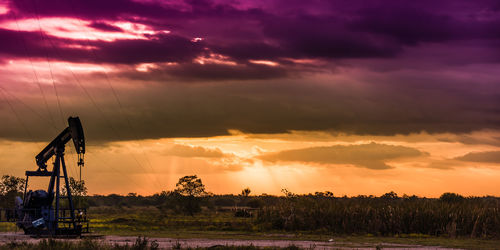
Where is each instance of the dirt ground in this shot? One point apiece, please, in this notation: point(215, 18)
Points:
point(167, 243)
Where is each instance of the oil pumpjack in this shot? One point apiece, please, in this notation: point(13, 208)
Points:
point(41, 212)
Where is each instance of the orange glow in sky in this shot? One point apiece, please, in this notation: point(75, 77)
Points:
point(228, 164)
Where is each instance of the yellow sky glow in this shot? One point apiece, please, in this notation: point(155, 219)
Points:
point(228, 164)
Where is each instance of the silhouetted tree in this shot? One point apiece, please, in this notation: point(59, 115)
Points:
point(190, 185)
point(10, 187)
point(246, 192)
point(78, 192)
point(244, 196)
point(10, 184)
point(390, 196)
point(191, 189)
point(451, 197)
point(326, 194)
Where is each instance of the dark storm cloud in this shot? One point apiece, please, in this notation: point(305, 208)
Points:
point(266, 106)
point(251, 50)
point(105, 27)
point(274, 30)
point(372, 156)
point(88, 9)
point(31, 44)
point(411, 25)
point(406, 66)
point(313, 37)
point(209, 109)
point(485, 157)
point(212, 72)
point(162, 48)
point(407, 24)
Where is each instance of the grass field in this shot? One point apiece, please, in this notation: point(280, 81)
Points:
point(150, 221)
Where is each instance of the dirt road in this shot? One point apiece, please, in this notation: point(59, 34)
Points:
point(168, 243)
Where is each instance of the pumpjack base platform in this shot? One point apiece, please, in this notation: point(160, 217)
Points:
point(83, 236)
point(63, 233)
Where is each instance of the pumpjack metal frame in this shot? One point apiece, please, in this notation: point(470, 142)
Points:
point(45, 219)
point(54, 218)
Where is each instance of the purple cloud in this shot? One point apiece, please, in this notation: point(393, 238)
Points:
point(275, 30)
point(105, 27)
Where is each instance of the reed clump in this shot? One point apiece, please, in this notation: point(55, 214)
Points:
point(389, 215)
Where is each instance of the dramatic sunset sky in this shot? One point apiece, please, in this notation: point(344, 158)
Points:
point(353, 97)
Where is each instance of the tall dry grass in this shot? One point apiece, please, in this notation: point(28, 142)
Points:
point(387, 215)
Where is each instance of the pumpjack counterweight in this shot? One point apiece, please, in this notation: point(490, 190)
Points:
point(41, 212)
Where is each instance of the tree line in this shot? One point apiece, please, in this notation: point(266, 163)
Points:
point(389, 214)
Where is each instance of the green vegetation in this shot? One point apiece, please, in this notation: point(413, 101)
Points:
point(308, 219)
point(191, 212)
point(188, 193)
point(10, 187)
point(78, 192)
point(389, 215)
